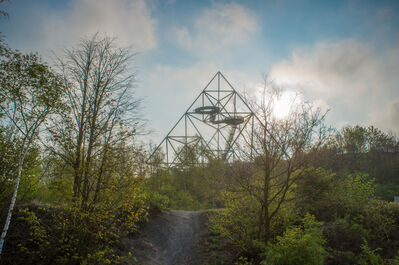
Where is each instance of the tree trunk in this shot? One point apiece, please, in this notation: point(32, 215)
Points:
point(77, 171)
point(100, 175)
point(14, 198)
point(267, 228)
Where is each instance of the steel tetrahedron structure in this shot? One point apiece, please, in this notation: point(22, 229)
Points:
point(211, 128)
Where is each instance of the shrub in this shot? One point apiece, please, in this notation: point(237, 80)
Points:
point(238, 221)
point(345, 234)
point(158, 201)
point(72, 235)
point(369, 256)
point(61, 236)
point(382, 221)
point(315, 193)
point(298, 245)
point(359, 190)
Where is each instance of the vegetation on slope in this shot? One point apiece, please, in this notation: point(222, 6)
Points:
point(68, 136)
point(311, 195)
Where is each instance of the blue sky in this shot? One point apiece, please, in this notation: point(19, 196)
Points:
point(343, 55)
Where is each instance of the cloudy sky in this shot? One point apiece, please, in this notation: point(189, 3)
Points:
point(344, 55)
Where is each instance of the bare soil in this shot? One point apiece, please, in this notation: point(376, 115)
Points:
point(170, 237)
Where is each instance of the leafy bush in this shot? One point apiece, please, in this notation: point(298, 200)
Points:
point(345, 234)
point(316, 193)
point(72, 235)
point(238, 221)
point(359, 189)
point(369, 256)
point(298, 245)
point(382, 221)
point(67, 236)
point(243, 261)
point(158, 201)
point(387, 191)
point(191, 188)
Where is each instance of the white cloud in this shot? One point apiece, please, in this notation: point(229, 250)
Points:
point(130, 21)
point(218, 27)
point(353, 79)
point(388, 117)
point(346, 69)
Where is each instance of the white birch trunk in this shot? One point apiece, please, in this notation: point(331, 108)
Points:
point(14, 198)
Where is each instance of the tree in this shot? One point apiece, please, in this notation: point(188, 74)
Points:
point(102, 117)
point(281, 153)
point(10, 143)
point(354, 139)
point(362, 149)
point(30, 91)
point(282, 148)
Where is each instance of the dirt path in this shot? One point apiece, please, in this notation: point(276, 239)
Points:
point(168, 238)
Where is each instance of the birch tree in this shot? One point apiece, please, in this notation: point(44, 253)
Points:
point(30, 91)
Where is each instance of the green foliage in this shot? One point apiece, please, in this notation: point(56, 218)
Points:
point(93, 140)
point(29, 92)
point(387, 191)
point(58, 189)
point(382, 221)
point(237, 221)
point(369, 256)
point(213, 248)
point(298, 245)
point(351, 214)
point(191, 188)
point(84, 236)
point(362, 149)
point(105, 256)
point(345, 234)
point(158, 201)
point(183, 200)
point(243, 261)
point(354, 139)
point(314, 184)
point(70, 235)
point(359, 189)
point(329, 197)
point(38, 237)
point(315, 193)
point(29, 83)
point(377, 224)
point(108, 200)
point(10, 145)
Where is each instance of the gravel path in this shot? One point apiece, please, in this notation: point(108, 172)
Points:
point(168, 238)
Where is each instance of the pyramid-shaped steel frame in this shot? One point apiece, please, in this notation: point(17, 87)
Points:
point(213, 125)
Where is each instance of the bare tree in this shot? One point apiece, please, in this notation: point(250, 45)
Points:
point(29, 93)
point(102, 113)
point(281, 148)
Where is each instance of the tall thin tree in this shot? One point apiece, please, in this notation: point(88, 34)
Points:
point(102, 113)
point(29, 92)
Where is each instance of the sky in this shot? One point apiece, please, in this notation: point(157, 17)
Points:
point(342, 55)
